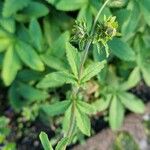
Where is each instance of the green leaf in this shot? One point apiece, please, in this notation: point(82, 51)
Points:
point(8, 24)
point(67, 119)
point(102, 103)
point(30, 93)
point(11, 65)
point(45, 141)
point(71, 56)
point(133, 79)
point(5, 41)
point(121, 50)
point(51, 60)
point(56, 108)
point(92, 70)
point(56, 79)
point(67, 5)
point(34, 10)
point(59, 45)
point(86, 14)
point(132, 102)
point(29, 56)
point(85, 107)
point(116, 113)
point(62, 144)
point(12, 6)
point(130, 24)
point(36, 34)
point(143, 63)
point(145, 10)
point(83, 122)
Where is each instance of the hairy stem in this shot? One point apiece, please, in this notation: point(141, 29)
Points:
point(75, 92)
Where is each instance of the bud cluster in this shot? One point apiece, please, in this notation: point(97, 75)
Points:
point(104, 32)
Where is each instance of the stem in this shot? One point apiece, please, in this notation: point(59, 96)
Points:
point(98, 14)
point(75, 92)
point(87, 46)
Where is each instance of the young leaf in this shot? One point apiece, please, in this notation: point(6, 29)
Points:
point(56, 79)
point(121, 49)
point(83, 122)
point(56, 108)
point(85, 107)
point(62, 144)
point(71, 53)
point(29, 56)
point(12, 6)
point(132, 102)
point(36, 34)
point(11, 65)
point(45, 141)
point(102, 103)
point(116, 113)
point(92, 70)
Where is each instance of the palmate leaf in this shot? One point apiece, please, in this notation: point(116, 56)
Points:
point(56, 108)
point(29, 56)
point(116, 113)
point(12, 6)
point(56, 79)
point(71, 53)
point(11, 65)
point(45, 141)
point(132, 102)
point(92, 70)
point(83, 122)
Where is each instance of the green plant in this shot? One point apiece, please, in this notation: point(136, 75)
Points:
point(41, 81)
point(76, 110)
